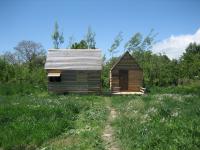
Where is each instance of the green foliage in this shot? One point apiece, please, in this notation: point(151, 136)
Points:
point(190, 62)
point(158, 70)
point(81, 45)
point(6, 70)
point(190, 88)
point(57, 37)
point(23, 76)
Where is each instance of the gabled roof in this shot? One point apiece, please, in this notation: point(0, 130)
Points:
point(119, 60)
point(74, 59)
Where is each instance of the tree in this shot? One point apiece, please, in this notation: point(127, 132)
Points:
point(57, 37)
point(134, 42)
point(10, 57)
point(61, 38)
point(90, 38)
point(158, 69)
point(81, 45)
point(190, 61)
point(137, 42)
point(104, 59)
point(30, 52)
point(149, 40)
point(117, 40)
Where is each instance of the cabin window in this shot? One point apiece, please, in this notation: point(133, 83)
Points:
point(54, 77)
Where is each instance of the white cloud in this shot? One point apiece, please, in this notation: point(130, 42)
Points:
point(174, 46)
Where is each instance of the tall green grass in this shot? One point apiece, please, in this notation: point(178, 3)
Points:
point(87, 130)
point(192, 88)
point(8, 89)
point(159, 120)
point(27, 122)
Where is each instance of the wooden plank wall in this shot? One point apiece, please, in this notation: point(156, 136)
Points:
point(77, 82)
point(114, 80)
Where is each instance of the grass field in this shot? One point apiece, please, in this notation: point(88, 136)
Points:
point(164, 120)
point(167, 118)
point(51, 122)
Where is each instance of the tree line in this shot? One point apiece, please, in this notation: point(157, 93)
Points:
point(24, 67)
point(158, 69)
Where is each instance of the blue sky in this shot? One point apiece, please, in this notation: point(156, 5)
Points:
point(34, 20)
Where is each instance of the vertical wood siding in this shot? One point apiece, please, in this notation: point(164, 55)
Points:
point(135, 79)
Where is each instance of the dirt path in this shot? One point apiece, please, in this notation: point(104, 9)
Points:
point(108, 133)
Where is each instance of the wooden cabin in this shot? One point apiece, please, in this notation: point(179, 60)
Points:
point(126, 76)
point(74, 70)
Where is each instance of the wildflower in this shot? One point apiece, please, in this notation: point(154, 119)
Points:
point(152, 110)
point(145, 118)
point(174, 114)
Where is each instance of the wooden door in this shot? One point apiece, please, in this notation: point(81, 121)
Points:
point(123, 80)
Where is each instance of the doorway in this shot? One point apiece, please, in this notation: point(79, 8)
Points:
point(123, 80)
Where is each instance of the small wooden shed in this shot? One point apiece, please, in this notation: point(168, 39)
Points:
point(74, 70)
point(126, 76)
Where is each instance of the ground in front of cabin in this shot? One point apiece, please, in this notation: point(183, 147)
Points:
point(163, 119)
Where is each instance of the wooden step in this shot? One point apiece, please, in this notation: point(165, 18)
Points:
point(143, 90)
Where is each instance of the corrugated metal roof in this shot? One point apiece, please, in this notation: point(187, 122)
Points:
point(74, 59)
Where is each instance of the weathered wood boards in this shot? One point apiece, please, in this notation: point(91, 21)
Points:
point(77, 81)
point(118, 81)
